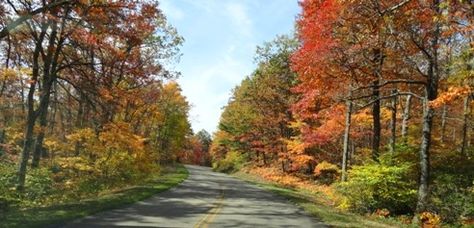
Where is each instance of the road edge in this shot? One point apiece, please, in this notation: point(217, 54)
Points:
point(59, 215)
point(321, 212)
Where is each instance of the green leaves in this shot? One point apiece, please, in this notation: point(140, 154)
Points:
point(378, 186)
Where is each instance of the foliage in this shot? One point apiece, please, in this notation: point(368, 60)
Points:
point(451, 199)
point(116, 154)
point(257, 116)
point(39, 183)
point(430, 219)
point(379, 186)
point(314, 200)
point(232, 162)
point(326, 172)
point(59, 212)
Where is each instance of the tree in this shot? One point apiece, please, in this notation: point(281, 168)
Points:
point(205, 139)
point(256, 119)
point(93, 64)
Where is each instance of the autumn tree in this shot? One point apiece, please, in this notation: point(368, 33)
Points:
point(257, 116)
point(86, 65)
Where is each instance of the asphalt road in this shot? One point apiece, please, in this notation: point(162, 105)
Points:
point(206, 199)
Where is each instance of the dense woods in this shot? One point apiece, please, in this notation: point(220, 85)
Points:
point(87, 100)
point(369, 101)
point(373, 98)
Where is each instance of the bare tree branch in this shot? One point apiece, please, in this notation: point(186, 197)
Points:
point(23, 18)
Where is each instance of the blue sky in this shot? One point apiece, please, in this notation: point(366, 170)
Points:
point(221, 38)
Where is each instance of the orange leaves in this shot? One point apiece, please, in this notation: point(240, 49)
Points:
point(453, 93)
point(315, 27)
point(275, 175)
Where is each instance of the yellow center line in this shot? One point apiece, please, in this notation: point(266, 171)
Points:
point(211, 214)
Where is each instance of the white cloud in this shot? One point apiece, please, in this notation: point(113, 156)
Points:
point(221, 36)
point(239, 16)
point(209, 88)
point(172, 11)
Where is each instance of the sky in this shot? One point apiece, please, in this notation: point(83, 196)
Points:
point(221, 37)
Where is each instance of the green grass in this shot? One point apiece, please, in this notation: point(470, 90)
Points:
point(62, 213)
point(313, 204)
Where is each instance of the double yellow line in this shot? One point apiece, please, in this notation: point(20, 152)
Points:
point(211, 214)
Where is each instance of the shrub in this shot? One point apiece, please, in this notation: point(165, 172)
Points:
point(376, 186)
point(7, 182)
point(38, 186)
point(450, 199)
point(114, 155)
point(232, 162)
point(451, 190)
point(326, 172)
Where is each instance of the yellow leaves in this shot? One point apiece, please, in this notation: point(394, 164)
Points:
point(120, 136)
point(75, 163)
point(295, 146)
point(113, 151)
point(325, 167)
point(429, 219)
point(52, 145)
point(7, 74)
point(10, 75)
point(363, 118)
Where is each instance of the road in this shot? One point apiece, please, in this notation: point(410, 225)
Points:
point(206, 199)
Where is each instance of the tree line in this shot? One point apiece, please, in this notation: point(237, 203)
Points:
point(87, 97)
point(375, 87)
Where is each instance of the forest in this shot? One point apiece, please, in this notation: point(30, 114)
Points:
point(369, 102)
point(87, 102)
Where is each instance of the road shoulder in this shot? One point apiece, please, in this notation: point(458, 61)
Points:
point(58, 215)
point(308, 202)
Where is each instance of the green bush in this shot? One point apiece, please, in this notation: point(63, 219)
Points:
point(8, 194)
point(451, 189)
point(379, 186)
point(232, 162)
point(451, 199)
point(38, 183)
point(38, 187)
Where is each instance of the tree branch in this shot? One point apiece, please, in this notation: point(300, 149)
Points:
point(23, 18)
point(388, 97)
point(392, 82)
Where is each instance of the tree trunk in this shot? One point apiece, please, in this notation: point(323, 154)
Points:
point(31, 114)
point(49, 77)
point(393, 123)
point(377, 129)
point(406, 118)
point(345, 153)
point(431, 94)
point(465, 125)
point(443, 122)
point(423, 190)
point(2, 141)
point(43, 120)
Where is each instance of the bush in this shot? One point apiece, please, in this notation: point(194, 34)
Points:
point(326, 172)
point(38, 186)
point(451, 190)
point(232, 162)
point(376, 186)
point(450, 199)
point(8, 195)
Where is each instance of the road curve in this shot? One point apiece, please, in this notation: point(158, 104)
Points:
point(206, 199)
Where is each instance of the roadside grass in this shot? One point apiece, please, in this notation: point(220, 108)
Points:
point(315, 204)
point(55, 215)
